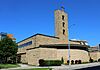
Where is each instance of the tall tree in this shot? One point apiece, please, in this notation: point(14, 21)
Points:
point(8, 50)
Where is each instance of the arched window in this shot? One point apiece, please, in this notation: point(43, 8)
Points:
point(63, 17)
point(63, 32)
point(63, 24)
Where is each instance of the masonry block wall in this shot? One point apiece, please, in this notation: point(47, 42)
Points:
point(75, 54)
point(61, 24)
point(34, 55)
point(95, 55)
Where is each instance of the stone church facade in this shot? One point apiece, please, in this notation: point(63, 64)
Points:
point(40, 46)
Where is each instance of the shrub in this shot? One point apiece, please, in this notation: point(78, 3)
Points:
point(85, 62)
point(8, 66)
point(50, 62)
point(95, 60)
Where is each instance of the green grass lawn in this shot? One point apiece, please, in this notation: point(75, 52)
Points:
point(35, 69)
point(8, 65)
point(2, 66)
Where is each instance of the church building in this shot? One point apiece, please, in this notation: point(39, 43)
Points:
point(41, 46)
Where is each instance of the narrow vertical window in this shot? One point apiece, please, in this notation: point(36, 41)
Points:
point(63, 17)
point(63, 24)
point(63, 32)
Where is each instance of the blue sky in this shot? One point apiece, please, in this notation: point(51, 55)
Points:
point(24, 18)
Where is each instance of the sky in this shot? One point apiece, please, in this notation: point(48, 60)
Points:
point(24, 18)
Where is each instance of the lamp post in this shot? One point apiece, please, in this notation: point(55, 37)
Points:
point(69, 49)
point(69, 56)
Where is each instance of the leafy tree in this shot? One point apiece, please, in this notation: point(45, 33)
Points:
point(8, 50)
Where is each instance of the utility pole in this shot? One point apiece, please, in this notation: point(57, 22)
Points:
point(69, 50)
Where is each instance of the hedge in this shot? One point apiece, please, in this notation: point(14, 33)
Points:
point(50, 62)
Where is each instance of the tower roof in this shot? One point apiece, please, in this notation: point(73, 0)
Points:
point(62, 8)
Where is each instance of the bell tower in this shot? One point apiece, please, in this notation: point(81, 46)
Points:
point(61, 24)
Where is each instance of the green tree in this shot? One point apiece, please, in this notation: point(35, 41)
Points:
point(8, 50)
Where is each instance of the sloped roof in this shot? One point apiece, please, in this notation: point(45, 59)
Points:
point(36, 35)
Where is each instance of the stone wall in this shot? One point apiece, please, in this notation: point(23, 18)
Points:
point(34, 55)
point(95, 55)
point(24, 58)
point(75, 54)
point(98, 55)
point(48, 53)
point(43, 40)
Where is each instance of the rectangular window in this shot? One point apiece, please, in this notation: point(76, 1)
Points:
point(25, 44)
point(63, 17)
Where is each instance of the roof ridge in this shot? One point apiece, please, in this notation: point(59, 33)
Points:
point(38, 34)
